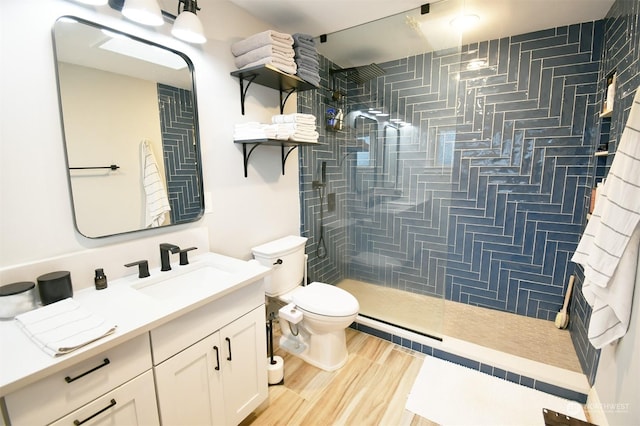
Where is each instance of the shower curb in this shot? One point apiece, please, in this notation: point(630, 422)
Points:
point(535, 375)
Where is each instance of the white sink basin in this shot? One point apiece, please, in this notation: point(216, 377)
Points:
point(201, 279)
point(190, 285)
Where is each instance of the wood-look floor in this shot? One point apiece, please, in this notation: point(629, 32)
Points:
point(371, 389)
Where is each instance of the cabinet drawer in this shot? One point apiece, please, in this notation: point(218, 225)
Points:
point(169, 339)
point(132, 404)
point(65, 391)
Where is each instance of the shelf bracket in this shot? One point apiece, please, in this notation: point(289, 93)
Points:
point(286, 147)
point(284, 101)
point(244, 89)
point(285, 155)
point(246, 156)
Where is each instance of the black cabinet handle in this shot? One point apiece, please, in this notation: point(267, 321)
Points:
point(111, 404)
point(104, 364)
point(229, 344)
point(217, 357)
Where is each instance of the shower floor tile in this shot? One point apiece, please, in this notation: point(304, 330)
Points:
point(529, 338)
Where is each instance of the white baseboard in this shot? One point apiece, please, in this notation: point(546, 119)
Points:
point(594, 410)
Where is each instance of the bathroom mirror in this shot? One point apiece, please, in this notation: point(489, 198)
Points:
point(130, 128)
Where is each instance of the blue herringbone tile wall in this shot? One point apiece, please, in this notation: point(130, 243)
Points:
point(488, 199)
point(180, 160)
point(621, 54)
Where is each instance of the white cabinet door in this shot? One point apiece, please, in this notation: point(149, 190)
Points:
point(189, 385)
point(219, 380)
point(133, 403)
point(244, 365)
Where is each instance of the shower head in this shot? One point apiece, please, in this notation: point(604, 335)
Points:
point(361, 74)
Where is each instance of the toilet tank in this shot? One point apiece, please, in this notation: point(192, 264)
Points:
point(286, 257)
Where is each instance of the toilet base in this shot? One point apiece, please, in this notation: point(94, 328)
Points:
point(325, 351)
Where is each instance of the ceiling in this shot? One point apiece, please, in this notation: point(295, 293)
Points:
point(350, 43)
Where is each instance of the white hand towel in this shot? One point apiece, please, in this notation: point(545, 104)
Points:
point(64, 326)
point(294, 118)
point(264, 52)
point(261, 39)
point(288, 66)
point(609, 246)
point(156, 198)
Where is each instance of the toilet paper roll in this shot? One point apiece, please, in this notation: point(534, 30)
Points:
point(275, 371)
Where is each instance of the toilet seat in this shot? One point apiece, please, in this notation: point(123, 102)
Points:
point(326, 300)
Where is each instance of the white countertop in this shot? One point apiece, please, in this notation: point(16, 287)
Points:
point(124, 302)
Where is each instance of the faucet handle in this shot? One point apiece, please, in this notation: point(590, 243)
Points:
point(184, 260)
point(143, 268)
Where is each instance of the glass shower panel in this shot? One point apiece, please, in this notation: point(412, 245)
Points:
point(390, 173)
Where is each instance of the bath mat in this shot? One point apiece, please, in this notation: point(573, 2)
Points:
point(450, 394)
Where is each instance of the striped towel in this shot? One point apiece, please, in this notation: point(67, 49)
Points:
point(608, 249)
point(156, 199)
point(64, 326)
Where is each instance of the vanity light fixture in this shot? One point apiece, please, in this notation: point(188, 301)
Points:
point(145, 12)
point(187, 26)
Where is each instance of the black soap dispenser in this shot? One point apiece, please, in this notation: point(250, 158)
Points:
point(100, 279)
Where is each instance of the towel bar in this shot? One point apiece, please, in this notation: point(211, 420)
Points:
point(112, 167)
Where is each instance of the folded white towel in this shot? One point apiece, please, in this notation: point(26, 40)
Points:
point(63, 326)
point(269, 50)
point(288, 66)
point(606, 249)
point(294, 118)
point(253, 130)
point(261, 39)
point(305, 137)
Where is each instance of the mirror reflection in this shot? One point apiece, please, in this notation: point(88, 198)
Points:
point(130, 128)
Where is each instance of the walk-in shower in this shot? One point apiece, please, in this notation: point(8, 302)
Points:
point(460, 174)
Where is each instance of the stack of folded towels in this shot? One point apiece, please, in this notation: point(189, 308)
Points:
point(267, 47)
point(306, 58)
point(254, 130)
point(296, 127)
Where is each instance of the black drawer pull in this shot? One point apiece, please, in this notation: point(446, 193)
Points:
point(79, 422)
point(217, 358)
point(104, 363)
point(229, 344)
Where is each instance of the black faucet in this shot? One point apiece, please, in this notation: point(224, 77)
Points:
point(143, 268)
point(165, 248)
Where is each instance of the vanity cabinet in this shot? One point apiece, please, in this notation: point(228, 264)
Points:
point(82, 390)
point(204, 364)
point(211, 364)
point(133, 404)
point(218, 380)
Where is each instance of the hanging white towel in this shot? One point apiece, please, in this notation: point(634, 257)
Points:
point(608, 249)
point(156, 198)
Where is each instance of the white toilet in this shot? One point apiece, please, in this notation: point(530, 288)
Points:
point(315, 317)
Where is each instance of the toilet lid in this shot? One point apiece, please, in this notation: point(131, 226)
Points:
point(325, 299)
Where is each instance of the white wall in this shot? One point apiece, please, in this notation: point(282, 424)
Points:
point(617, 385)
point(36, 220)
